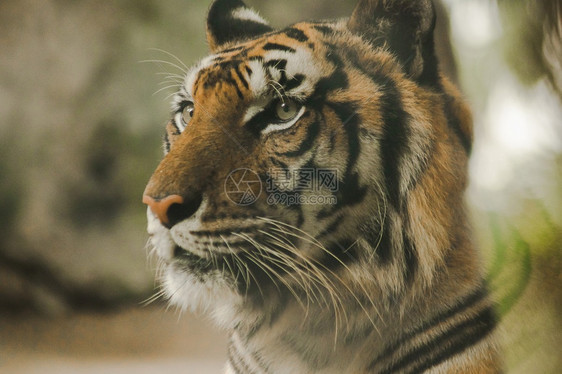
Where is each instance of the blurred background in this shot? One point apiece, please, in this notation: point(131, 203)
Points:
point(83, 103)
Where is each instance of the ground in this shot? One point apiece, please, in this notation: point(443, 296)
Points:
point(136, 340)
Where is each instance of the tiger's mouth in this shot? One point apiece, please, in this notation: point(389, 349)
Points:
point(204, 245)
point(213, 248)
point(204, 251)
point(199, 263)
point(249, 256)
point(256, 254)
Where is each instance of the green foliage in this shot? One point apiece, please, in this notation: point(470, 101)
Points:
point(525, 277)
point(511, 267)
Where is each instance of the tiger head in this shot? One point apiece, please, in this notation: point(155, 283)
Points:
point(322, 157)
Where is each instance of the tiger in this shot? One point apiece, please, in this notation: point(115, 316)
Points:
point(310, 197)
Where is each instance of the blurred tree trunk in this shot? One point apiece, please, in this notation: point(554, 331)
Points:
point(533, 39)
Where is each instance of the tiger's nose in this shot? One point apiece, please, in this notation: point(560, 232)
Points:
point(172, 209)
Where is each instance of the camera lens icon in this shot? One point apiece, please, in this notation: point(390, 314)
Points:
point(243, 186)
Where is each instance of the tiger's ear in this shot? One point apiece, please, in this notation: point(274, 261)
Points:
point(231, 20)
point(406, 28)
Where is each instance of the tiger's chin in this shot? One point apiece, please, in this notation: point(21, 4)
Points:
point(210, 293)
point(193, 280)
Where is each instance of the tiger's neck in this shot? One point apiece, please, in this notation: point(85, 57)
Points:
point(407, 335)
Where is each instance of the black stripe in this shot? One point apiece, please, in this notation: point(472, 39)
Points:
point(464, 304)
point(338, 80)
point(311, 134)
point(460, 342)
point(233, 49)
point(347, 114)
point(167, 144)
point(388, 85)
point(452, 341)
point(394, 142)
point(260, 121)
point(296, 34)
point(279, 164)
point(279, 64)
point(394, 145)
point(224, 232)
point(430, 74)
point(300, 218)
point(278, 47)
point(226, 30)
point(410, 257)
point(234, 366)
point(241, 77)
point(294, 82)
point(333, 56)
point(197, 82)
point(379, 239)
point(325, 30)
point(231, 360)
point(350, 191)
point(267, 117)
point(257, 58)
point(341, 253)
point(235, 84)
point(385, 249)
point(236, 360)
point(222, 73)
point(241, 244)
point(283, 79)
point(178, 131)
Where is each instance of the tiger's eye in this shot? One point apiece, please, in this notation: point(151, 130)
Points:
point(187, 113)
point(286, 110)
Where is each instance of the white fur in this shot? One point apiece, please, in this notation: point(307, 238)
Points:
point(246, 14)
point(191, 76)
point(258, 81)
point(229, 369)
point(256, 107)
point(299, 62)
point(178, 119)
point(213, 294)
point(159, 237)
point(252, 111)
